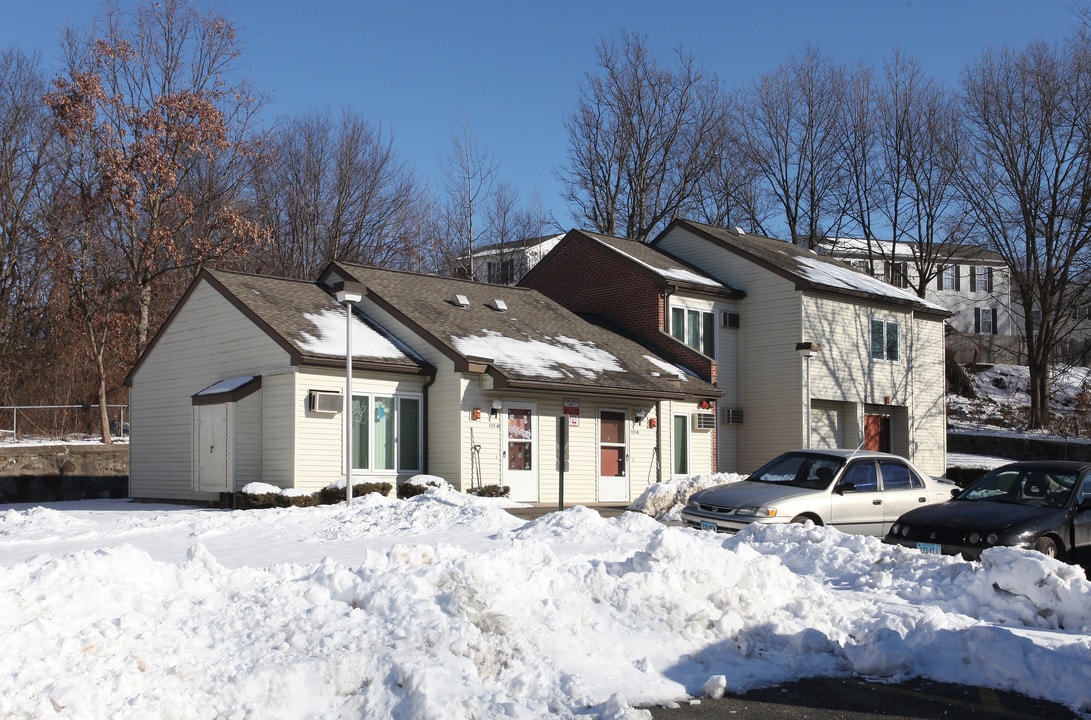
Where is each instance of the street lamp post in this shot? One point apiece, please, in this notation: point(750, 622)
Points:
point(807, 350)
point(348, 293)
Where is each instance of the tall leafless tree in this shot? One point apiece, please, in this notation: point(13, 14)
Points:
point(469, 173)
point(641, 139)
point(1027, 183)
point(154, 101)
point(789, 123)
point(26, 140)
point(336, 191)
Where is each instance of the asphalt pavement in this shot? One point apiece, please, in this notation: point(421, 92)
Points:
point(855, 699)
point(849, 698)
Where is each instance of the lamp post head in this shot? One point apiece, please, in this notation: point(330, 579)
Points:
point(807, 350)
point(348, 291)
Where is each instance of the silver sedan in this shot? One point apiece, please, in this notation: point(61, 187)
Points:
point(853, 491)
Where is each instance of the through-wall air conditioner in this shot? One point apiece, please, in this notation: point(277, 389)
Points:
point(325, 402)
point(704, 421)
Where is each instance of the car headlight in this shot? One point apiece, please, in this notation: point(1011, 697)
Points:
point(992, 539)
point(973, 538)
point(757, 511)
point(895, 528)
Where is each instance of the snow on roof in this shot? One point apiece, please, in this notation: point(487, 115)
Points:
point(668, 368)
point(329, 338)
point(535, 358)
point(886, 247)
point(677, 273)
point(827, 273)
point(226, 386)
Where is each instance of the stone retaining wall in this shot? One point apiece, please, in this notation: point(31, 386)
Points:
point(44, 473)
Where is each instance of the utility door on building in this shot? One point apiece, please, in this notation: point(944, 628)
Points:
point(519, 456)
point(877, 433)
point(210, 462)
point(613, 485)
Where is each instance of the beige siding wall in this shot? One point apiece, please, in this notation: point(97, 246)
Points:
point(928, 412)
point(910, 388)
point(769, 377)
point(278, 445)
point(248, 441)
point(319, 460)
point(208, 341)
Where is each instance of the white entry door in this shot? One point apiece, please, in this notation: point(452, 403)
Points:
point(613, 457)
point(211, 451)
point(520, 450)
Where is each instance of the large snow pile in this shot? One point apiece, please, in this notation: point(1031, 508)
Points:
point(446, 606)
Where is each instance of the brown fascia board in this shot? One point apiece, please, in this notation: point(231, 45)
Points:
point(203, 275)
point(553, 387)
point(249, 387)
point(801, 283)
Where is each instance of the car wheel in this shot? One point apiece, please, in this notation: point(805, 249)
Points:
point(804, 519)
point(1046, 546)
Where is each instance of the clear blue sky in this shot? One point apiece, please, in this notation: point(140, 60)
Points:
point(511, 70)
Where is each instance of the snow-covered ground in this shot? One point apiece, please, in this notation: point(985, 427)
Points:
point(446, 606)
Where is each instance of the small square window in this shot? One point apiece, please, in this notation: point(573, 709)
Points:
point(884, 340)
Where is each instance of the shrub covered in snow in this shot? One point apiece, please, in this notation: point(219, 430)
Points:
point(419, 484)
point(259, 495)
point(491, 491)
point(666, 499)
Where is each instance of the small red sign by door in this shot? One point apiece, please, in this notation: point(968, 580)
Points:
point(572, 411)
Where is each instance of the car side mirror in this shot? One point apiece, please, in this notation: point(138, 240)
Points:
point(955, 492)
point(845, 487)
point(1084, 505)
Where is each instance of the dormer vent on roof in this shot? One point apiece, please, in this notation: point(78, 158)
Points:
point(498, 305)
point(738, 230)
point(460, 300)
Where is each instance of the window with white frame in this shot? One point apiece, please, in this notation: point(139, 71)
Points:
point(386, 432)
point(696, 328)
point(985, 321)
point(981, 279)
point(884, 340)
point(948, 278)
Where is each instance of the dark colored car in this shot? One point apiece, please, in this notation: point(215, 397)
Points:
point(1043, 506)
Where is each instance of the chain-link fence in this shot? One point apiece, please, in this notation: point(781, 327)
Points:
point(21, 423)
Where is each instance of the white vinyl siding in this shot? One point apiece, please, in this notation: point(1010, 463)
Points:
point(209, 340)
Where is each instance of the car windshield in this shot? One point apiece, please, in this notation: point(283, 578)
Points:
point(1041, 487)
point(804, 470)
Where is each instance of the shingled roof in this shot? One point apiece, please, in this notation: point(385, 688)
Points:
point(669, 270)
point(520, 337)
point(306, 321)
point(807, 269)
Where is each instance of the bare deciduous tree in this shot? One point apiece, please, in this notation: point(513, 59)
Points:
point(336, 191)
point(641, 139)
point(469, 173)
point(1027, 183)
point(25, 177)
point(789, 123)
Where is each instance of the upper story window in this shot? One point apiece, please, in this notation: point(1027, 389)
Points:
point(501, 272)
point(985, 321)
point(884, 340)
point(981, 279)
point(948, 278)
point(897, 274)
point(696, 328)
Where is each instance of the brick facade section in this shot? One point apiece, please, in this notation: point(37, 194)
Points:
point(590, 279)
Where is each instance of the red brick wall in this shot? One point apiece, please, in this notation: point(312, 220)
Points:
point(587, 278)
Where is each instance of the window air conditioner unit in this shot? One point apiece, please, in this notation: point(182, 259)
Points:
point(704, 421)
point(325, 402)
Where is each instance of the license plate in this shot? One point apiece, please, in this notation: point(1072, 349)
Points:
point(708, 525)
point(929, 548)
